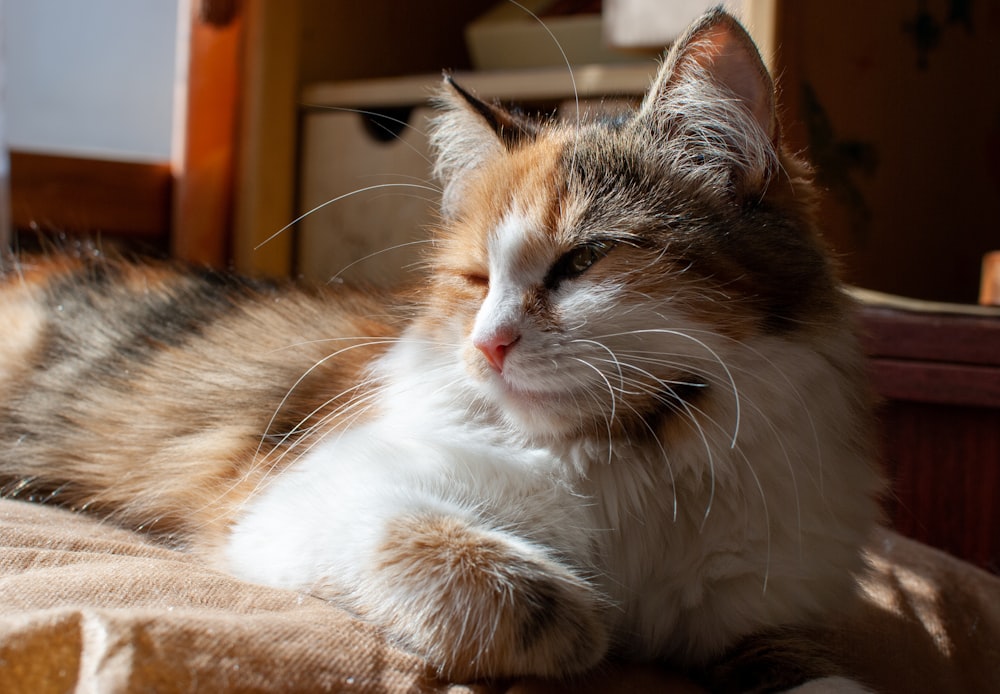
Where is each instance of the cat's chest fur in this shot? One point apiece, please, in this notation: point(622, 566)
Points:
point(660, 523)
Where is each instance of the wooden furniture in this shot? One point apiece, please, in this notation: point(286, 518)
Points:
point(233, 183)
point(57, 193)
point(182, 207)
point(937, 369)
point(989, 285)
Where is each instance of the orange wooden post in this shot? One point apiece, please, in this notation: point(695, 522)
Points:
point(989, 287)
point(205, 162)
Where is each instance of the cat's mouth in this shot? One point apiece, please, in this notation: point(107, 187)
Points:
point(559, 409)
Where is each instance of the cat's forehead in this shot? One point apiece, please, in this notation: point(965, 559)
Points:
point(519, 246)
point(539, 200)
point(526, 201)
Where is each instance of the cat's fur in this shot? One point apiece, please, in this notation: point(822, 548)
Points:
point(625, 414)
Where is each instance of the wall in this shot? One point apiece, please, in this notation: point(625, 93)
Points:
point(90, 78)
point(896, 104)
point(344, 39)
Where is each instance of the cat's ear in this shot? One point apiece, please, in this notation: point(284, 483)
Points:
point(716, 52)
point(467, 132)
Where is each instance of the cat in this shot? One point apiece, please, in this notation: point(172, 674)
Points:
point(625, 414)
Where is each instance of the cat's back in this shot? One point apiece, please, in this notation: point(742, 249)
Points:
point(74, 309)
point(196, 375)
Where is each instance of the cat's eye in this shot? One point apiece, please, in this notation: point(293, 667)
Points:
point(576, 261)
point(580, 259)
point(477, 279)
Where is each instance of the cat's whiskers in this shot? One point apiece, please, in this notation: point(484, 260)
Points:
point(268, 461)
point(336, 277)
point(761, 412)
point(762, 416)
point(372, 389)
point(704, 345)
point(655, 438)
point(301, 379)
point(295, 448)
point(794, 389)
point(657, 392)
point(614, 360)
point(572, 78)
point(695, 414)
point(376, 119)
point(357, 191)
point(610, 418)
point(767, 517)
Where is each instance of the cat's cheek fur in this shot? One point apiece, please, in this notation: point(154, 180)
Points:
point(537, 393)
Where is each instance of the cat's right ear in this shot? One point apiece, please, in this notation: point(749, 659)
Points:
point(716, 50)
point(711, 108)
point(467, 132)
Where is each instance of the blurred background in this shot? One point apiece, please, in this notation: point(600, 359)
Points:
point(219, 106)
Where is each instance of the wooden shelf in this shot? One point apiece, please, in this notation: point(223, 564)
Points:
point(543, 84)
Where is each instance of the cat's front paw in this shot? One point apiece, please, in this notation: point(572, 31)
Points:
point(479, 603)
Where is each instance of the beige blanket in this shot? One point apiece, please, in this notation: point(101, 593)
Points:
point(91, 608)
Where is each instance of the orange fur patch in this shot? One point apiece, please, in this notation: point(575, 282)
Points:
point(484, 606)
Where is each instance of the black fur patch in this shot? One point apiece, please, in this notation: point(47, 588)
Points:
point(774, 661)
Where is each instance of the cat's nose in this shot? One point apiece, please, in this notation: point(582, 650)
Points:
point(496, 346)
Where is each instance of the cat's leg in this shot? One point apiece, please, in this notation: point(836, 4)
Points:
point(477, 601)
point(394, 544)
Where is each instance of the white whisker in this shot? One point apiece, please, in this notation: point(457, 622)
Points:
point(375, 254)
point(569, 68)
point(718, 359)
point(337, 199)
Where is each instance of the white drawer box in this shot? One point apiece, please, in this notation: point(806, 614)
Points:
point(363, 196)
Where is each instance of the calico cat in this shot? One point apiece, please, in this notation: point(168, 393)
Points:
point(624, 415)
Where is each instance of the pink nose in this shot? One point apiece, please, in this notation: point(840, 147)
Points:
point(496, 346)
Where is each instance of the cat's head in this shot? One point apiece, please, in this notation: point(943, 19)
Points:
point(598, 274)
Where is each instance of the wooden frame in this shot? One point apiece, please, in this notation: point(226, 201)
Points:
point(265, 178)
point(938, 376)
point(76, 194)
point(205, 158)
point(236, 179)
point(231, 184)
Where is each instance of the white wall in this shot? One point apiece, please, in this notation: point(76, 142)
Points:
point(90, 77)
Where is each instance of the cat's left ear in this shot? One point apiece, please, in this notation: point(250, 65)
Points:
point(468, 132)
point(716, 50)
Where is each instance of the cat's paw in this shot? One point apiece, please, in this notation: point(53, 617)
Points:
point(479, 603)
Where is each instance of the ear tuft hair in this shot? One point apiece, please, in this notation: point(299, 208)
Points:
point(467, 132)
point(716, 49)
point(713, 102)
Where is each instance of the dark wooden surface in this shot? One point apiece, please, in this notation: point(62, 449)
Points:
point(938, 376)
point(92, 196)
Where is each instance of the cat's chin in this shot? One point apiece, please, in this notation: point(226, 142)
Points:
point(545, 414)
